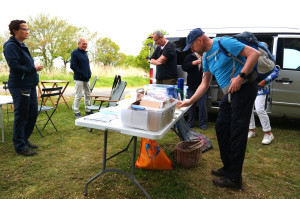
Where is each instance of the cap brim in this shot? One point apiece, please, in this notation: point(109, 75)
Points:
point(187, 47)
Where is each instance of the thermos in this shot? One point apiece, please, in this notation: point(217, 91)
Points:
point(180, 86)
point(172, 91)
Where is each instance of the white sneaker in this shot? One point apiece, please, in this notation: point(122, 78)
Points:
point(251, 134)
point(267, 139)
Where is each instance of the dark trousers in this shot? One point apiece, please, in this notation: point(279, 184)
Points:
point(232, 129)
point(26, 111)
point(201, 103)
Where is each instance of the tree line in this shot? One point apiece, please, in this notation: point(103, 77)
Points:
point(53, 38)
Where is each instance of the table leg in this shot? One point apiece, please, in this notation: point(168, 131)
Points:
point(104, 170)
point(62, 96)
point(39, 92)
point(103, 166)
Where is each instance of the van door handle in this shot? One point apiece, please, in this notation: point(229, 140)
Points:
point(284, 80)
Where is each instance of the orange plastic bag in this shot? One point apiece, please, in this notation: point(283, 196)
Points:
point(152, 157)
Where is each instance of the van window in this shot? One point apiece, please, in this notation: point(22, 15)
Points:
point(288, 53)
point(291, 59)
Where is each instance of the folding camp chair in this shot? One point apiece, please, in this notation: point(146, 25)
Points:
point(49, 92)
point(93, 83)
point(116, 94)
point(112, 100)
point(5, 87)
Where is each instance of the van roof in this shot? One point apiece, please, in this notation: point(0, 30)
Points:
point(234, 30)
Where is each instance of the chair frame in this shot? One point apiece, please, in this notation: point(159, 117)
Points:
point(93, 83)
point(49, 92)
point(5, 87)
point(101, 99)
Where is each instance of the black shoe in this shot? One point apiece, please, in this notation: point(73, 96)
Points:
point(27, 152)
point(32, 146)
point(88, 112)
point(203, 128)
point(218, 172)
point(77, 115)
point(226, 182)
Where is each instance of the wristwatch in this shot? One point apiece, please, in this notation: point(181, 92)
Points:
point(243, 75)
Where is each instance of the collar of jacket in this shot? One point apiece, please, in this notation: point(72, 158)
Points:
point(82, 51)
point(15, 40)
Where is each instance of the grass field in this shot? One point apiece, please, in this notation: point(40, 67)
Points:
point(69, 158)
point(133, 76)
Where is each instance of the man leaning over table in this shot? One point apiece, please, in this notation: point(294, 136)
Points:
point(80, 64)
point(236, 106)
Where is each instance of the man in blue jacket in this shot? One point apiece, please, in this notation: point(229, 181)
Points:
point(80, 64)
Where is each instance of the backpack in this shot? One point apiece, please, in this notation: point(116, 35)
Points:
point(266, 62)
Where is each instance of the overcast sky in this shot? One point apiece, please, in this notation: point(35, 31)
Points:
point(128, 22)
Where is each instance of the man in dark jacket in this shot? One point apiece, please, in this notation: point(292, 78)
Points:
point(23, 78)
point(80, 64)
point(193, 66)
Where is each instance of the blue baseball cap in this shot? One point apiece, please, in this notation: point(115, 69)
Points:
point(193, 35)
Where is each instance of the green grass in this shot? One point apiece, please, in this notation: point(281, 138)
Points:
point(132, 81)
point(69, 158)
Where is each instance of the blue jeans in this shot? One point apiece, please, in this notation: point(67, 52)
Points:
point(26, 112)
point(201, 103)
point(232, 129)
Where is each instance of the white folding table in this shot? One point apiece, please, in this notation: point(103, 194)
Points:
point(116, 125)
point(4, 99)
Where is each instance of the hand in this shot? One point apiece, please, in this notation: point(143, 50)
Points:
point(196, 62)
point(183, 103)
point(262, 83)
point(236, 84)
point(39, 68)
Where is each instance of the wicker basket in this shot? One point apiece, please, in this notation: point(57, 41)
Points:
point(189, 153)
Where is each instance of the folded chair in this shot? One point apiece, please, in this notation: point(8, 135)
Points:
point(54, 93)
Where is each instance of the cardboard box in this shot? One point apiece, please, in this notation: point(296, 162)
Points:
point(152, 104)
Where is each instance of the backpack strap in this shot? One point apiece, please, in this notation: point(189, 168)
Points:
point(207, 57)
point(228, 54)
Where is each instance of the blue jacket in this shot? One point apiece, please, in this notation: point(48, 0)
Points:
point(80, 64)
point(23, 73)
point(266, 89)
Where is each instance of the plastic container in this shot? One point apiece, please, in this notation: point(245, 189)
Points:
point(151, 119)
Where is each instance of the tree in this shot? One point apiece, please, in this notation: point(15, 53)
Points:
point(141, 60)
point(44, 38)
point(3, 39)
point(1, 49)
point(107, 52)
point(67, 42)
point(129, 61)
